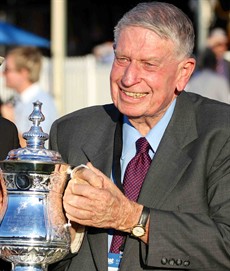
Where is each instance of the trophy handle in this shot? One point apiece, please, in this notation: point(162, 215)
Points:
point(58, 182)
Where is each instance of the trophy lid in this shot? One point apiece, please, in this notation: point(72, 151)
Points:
point(35, 141)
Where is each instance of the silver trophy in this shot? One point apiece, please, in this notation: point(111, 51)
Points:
point(34, 231)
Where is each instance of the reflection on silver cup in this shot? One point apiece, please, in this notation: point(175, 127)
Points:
point(33, 229)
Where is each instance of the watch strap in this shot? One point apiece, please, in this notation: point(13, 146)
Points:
point(144, 216)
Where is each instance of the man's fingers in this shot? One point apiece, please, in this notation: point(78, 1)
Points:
point(95, 170)
point(86, 175)
point(107, 183)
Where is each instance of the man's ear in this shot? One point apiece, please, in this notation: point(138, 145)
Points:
point(186, 68)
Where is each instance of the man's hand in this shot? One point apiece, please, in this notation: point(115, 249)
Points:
point(92, 199)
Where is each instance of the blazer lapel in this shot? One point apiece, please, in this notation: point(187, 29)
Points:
point(171, 158)
point(163, 175)
point(170, 162)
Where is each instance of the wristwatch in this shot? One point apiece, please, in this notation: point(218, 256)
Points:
point(139, 229)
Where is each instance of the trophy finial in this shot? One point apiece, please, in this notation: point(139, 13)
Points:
point(35, 141)
point(36, 116)
point(35, 137)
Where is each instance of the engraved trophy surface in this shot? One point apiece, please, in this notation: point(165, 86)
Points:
point(33, 229)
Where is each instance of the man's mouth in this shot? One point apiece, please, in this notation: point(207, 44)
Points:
point(134, 94)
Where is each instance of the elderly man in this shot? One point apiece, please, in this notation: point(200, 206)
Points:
point(156, 194)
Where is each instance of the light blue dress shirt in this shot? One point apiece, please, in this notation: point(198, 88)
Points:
point(130, 135)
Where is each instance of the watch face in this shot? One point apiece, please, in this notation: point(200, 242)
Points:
point(138, 231)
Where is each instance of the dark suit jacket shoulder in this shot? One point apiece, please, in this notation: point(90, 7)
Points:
point(8, 137)
point(85, 127)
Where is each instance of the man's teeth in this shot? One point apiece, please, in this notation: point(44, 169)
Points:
point(135, 95)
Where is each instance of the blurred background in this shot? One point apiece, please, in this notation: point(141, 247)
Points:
point(76, 40)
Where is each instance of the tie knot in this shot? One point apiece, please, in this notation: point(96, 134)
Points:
point(142, 145)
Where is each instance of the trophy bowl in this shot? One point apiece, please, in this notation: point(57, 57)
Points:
point(34, 231)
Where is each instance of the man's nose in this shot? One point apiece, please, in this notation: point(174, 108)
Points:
point(132, 75)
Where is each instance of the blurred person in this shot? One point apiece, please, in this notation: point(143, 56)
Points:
point(218, 42)
point(206, 81)
point(8, 141)
point(22, 73)
point(104, 52)
point(178, 218)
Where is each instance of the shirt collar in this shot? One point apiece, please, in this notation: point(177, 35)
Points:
point(130, 134)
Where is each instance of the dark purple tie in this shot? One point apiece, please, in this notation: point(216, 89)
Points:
point(135, 173)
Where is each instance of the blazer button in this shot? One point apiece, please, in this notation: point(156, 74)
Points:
point(178, 262)
point(164, 261)
point(171, 261)
point(186, 263)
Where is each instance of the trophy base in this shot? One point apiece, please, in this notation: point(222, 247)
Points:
point(29, 267)
point(26, 258)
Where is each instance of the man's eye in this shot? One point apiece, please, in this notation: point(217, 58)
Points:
point(148, 64)
point(122, 60)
